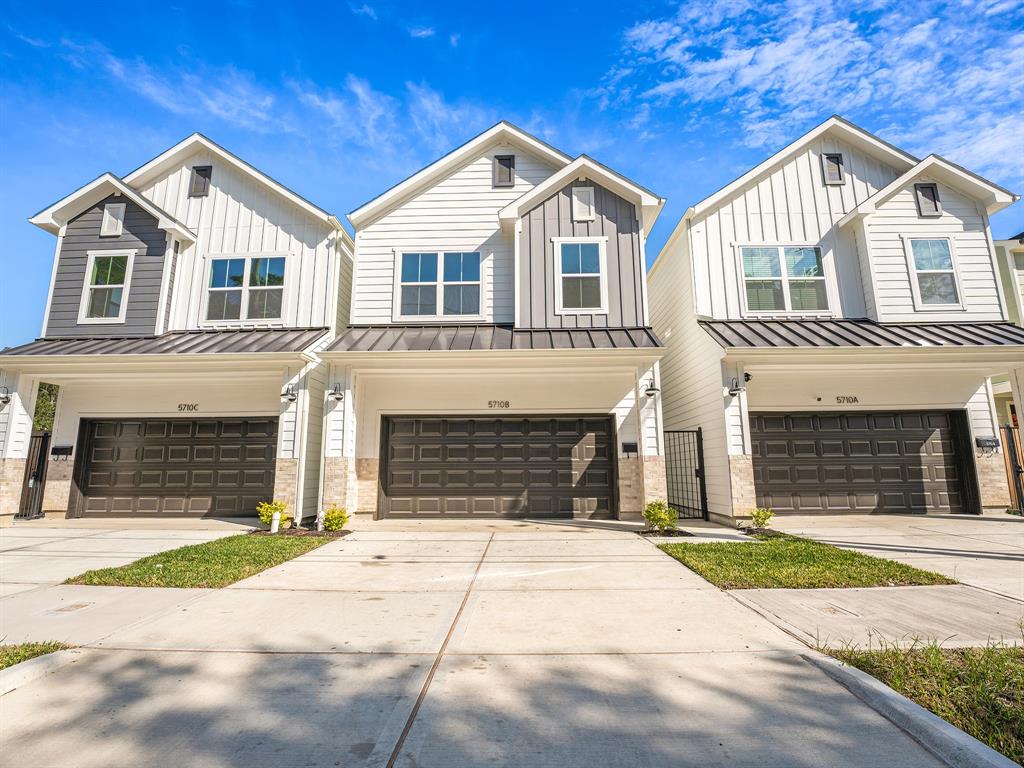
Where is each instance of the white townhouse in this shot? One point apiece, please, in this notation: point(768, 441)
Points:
point(1010, 256)
point(187, 303)
point(831, 320)
point(499, 359)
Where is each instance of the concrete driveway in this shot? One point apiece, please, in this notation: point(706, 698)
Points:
point(984, 551)
point(447, 649)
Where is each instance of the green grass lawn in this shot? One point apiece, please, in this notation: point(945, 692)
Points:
point(782, 561)
point(211, 564)
point(979, 690)
point(14, 654)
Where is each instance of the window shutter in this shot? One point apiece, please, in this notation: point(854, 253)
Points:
point(199, 183)
point(928, 203)
point(832, 168)
point(113, 220)
point(582, 203)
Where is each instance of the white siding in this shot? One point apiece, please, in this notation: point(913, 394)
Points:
point(242, 216)
point(964, 224)
point(315, 386)
point(458, 212)
point(344, 293)
point(788, 204)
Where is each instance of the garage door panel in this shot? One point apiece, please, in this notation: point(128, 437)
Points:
point(863, 462)
point(490, 466)
point(176, 466)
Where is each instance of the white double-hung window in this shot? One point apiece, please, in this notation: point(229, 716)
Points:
point(438, 284)
point(105, 293)
point(933, 273)
point(581, 279)
point(245, 288)
point(779, 278)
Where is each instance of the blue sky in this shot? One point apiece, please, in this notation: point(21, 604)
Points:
point(343, 99)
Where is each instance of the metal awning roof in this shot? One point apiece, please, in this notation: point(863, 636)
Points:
point(452, 338)
point(859, 333)
point(236, 341)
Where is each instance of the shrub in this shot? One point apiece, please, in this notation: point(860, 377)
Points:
point(660, 516)
point(335, 518)
point(761, 517)
point(266, 510)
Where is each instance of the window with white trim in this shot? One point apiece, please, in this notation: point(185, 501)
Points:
point(784, 279)
point(245, 288)
point(832, 168)
point(926, 196)
point(105, 295)
point(583, 204)
point(935, 272)
point(113, 220)
point(582, 279)
point(423, 287)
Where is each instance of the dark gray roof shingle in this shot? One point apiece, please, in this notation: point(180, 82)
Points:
point(447, 338)
point(859, 332)
point(238, 341)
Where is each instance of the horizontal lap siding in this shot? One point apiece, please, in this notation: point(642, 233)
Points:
point(615, 218)
point(788, 204)
point(458, 212)
point(140, 233)
point(964, 224)
point(241, 216)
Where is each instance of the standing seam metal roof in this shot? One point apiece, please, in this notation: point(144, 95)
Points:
point(450, 338)
point(234, 341)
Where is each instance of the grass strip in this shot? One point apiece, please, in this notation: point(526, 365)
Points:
point(15, 654)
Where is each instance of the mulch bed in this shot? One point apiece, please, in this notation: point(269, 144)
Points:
point(678, 533)
point(303, 532)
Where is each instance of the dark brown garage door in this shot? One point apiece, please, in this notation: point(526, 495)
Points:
point(497, 467)
point(860, 462)
point(188, 467)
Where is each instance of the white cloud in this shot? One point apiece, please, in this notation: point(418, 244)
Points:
point(454, 39)
point(358, 114)
point(363, 10)
point(421, 32)
point(442, 125)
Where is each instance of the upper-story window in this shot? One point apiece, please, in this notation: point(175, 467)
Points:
point(927, 198)
point(933, 273)
point(245, 288)
point(113, 220)
point(784, 279)
point(583, 204)
point(504, 171)
point(105, 295)
point(581, 282)
point(832, 168)
point(199, 181)
point(457, 282)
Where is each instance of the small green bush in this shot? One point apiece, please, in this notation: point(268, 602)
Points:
point(266, 510)
point(761, 517)
point(335, 518)
point(660, 516)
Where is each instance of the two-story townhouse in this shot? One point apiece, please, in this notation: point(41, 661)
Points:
point(831, 320)
point(500, 360)
point(1010, 257)
point(187, 302)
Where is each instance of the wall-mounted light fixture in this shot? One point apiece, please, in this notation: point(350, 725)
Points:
point(336, 394)
point(289, 395)
point(735, 387)
point(651, 390)
point(5, 396)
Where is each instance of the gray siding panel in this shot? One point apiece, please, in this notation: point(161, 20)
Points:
point(141, 233)
point(615, 219)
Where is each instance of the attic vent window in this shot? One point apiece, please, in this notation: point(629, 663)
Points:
point(504, 171)
point(199, 184)
point(582, 203)
point(927, 196)
point(113, 220)
point(832, 168)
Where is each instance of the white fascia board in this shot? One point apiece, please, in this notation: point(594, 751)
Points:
point(994, 197)
point(490, 357)
point(140, 176)
point(992, 360)
point(51, 219)
point(650, 204)
point(503, 131)
point(166, 364)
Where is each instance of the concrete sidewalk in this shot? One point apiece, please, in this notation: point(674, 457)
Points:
point(447, 648)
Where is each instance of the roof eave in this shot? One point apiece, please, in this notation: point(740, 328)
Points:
point(489, 355)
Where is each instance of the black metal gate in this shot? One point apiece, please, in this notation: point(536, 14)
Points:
point(1014, 456)
point(684, 471)
point(35, 477)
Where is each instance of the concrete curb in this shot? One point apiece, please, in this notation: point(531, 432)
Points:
point(27, 671)
point(945, 741)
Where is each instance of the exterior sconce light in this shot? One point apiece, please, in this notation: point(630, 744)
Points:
point(5, 396)
point(736, 388)
point(651, 390)
point(336, 394)
point(289, 395)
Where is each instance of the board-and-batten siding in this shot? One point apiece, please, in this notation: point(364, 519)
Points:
point(964, 224)
point(241, 216)
point(82, 235)
point(789, 204)
point(615, 218)
point(691, 370)
point(458, 213)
